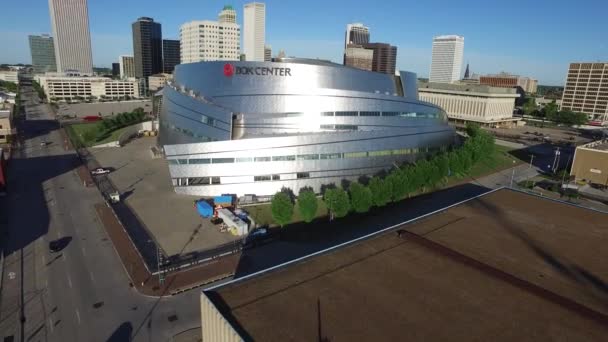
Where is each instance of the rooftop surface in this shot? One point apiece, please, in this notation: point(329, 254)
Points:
point(600, 145)
point(472, 88)
point(507, 266)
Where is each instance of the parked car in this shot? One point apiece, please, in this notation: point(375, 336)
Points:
point(100, 171)
point(257, 237)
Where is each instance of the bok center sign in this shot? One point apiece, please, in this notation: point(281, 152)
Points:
point(230, 70)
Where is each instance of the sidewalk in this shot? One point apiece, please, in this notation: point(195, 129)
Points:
point(147, 283)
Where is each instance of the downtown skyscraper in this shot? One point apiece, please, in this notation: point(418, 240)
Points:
point(147, 47)
point(72, 39)
point(254, 27)
point(42, 50)
point(446, 64)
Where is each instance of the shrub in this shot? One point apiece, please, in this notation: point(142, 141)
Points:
point(360, 197)
point(308, 204)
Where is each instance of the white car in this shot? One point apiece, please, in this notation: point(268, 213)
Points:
point(100, 171)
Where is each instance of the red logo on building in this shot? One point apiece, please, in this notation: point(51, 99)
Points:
point(228, 70)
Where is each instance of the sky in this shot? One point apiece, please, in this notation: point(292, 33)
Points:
point(530, 38)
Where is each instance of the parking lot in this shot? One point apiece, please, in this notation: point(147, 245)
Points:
point(145, 185)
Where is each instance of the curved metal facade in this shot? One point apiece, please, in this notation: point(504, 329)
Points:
point(255, 127)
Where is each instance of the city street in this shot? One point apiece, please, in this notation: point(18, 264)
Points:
point(80, 293)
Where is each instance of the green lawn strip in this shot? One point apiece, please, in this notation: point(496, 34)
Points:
point(262, 214)
point(113, 136)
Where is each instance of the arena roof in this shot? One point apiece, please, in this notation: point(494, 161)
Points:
point(506, 266)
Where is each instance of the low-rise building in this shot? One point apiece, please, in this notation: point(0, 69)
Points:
point(590, 163)
point(6, 123)
point(506, 80)
point(9, 76)
point(157, 81)
point(70, 87)
point(7, 97)
point(488, 106)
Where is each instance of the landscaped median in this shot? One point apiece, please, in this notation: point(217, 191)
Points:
point(105, 130)
point(477, 157)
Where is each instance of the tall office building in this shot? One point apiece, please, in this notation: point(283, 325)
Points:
point(72, 39)
point(42, 50)
point(446, 64)
point(357, 34)
point(586, 90)
point(127, 66)
point(206, 40)
point(115, 69)
point(357, 56)
point(384, 57)
point(255, 31)
point(267, 53)
point(227, 15)
point(147, 47)
point(171, 55)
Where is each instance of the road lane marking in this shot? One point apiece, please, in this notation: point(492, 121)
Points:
point(78, 316)
point(69, 281)
point(51, 324)
point(91, 274)
point(46, 283)
point(57, 233)
point(84, 252)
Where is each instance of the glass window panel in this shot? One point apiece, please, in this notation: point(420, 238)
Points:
point(262, 159)
point(172, 161)
point(200, 161)
point(355, 155)
point(222, 160)
point(308, 157)
point(331, 156)
point(182, 161)
point(244, 160)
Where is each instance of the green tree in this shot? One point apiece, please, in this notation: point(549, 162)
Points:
point(472, 129)
point(360, 197)
point(530, 106)
point(550, 110)
point(382, 191)
point(308, 204)
point(282, 208)
point(337, 202)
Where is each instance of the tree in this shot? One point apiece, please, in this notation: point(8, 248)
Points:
point(308, 204)
point(530, 106)
point(472, 129)
point(337, 202)
point(550, 110)
point(382, 191)
point(360, 197)
point(282, 208)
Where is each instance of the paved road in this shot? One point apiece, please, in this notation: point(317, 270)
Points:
point(81, 293)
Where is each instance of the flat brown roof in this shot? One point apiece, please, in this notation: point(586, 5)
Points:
point(506, 266)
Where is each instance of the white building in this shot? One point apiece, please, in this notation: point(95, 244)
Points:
point(227, 15)
point(207, 40)
point(158, 81)
point(586, 90)
point(70, 23)
point(9, 76)
point(254, 25)
point(357, 34)
point(70, 87)
point(446, 65)
point(492, 106)
point(127, 66)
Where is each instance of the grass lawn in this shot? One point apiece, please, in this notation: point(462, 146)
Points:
point(500, 160)
point(76, 131)
point(263, 215)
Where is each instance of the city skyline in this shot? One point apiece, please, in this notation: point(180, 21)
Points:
point(540, 49)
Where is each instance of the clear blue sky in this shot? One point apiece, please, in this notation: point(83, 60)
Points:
point(534, 38)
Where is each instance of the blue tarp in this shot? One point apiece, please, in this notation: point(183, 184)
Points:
point(219, 200)
point(204, 209)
